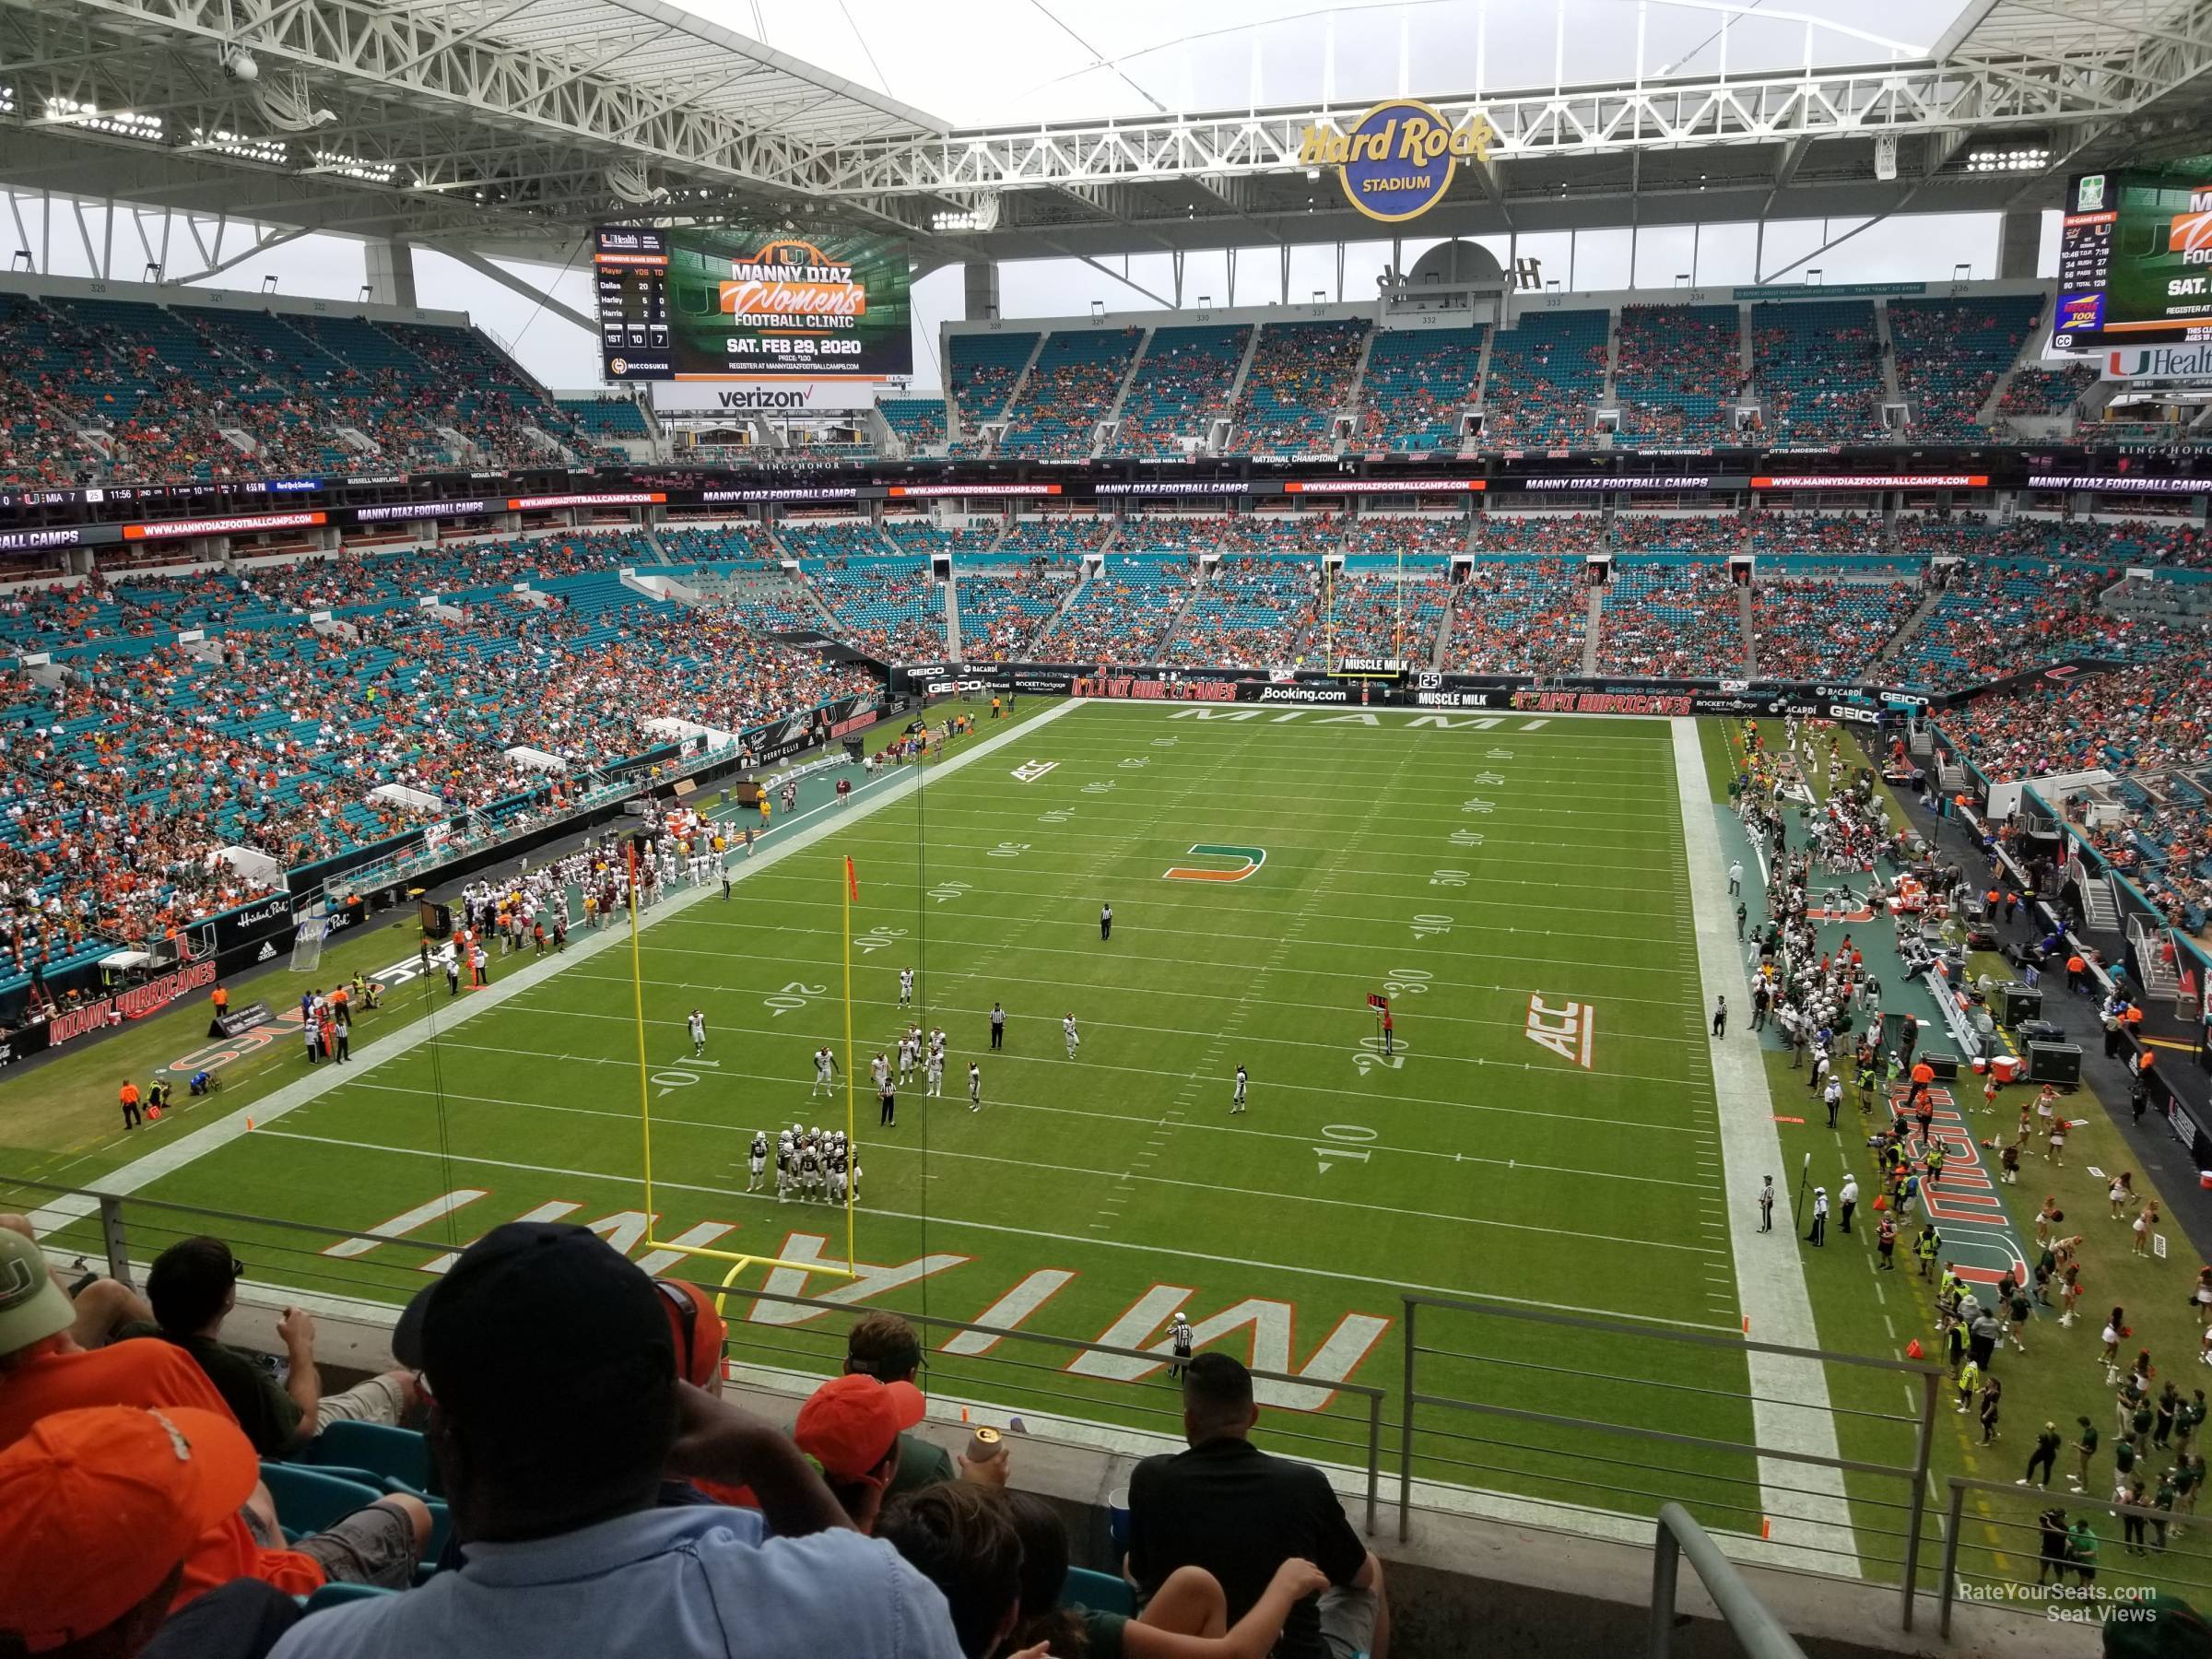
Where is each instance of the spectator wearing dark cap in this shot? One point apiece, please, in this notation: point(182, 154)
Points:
point(555, 1412)
point(1238, 1512)
point(959, 1537)
point(884, 1347)
point(192, 1285)
point(43, 1372)
point(101, 1509)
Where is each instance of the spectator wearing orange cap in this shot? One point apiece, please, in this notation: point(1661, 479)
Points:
point(850, 1426)
point(43, 1372)
point(103, 1507)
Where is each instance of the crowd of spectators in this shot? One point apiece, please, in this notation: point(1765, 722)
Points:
point(119, 790)
point(985, 370)
point(1069, 390)
point(891, 609)
point(1301, 378)
point(1678, 374)
point(1001, 610)
point(1951, 353)
point(1369, 612)
point(1548, 375)
point(1817, 628)
point(918, 422)
point(1520, 616)
point(1252, 612)
point(1707, 536)
point(1819, 369)
point(2037, 393)
point(1123, 613)
point(124, 392)
point(1998, 616)
point(618, 1504)
point(1418, 383)
point(1280, 532)
point(1429, 534)
point(1566, 534)
point(1806, 535)
point(1063, 535)
point(1180, 389)
point(1664, 621)
point(735, 541)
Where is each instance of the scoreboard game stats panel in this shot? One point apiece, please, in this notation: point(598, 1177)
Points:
point(2134, 259)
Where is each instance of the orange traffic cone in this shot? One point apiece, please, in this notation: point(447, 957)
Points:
point(1913, 1348)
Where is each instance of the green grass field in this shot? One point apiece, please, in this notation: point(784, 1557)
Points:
point(1479, 870)
point(1463, 866)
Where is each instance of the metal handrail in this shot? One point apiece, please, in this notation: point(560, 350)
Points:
point(115, 1245)
point(1915, 1474)
point(1960, 1485)
point(1756, 1629)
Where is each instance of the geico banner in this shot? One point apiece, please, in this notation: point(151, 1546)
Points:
point(783, 396)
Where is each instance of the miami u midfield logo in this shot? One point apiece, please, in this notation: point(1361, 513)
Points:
point(1248, 860)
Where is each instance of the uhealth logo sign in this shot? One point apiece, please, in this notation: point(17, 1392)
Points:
point(1398, 161)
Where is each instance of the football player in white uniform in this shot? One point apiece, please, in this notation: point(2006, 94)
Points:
point(825, 1069)
point(1067, 1028)
point(906, 987)
point(936, 1073)
point(698, 1022)
point(975, 1087)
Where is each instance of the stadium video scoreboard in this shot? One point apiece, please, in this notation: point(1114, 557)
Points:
point(736, 302)
point(2134, 259)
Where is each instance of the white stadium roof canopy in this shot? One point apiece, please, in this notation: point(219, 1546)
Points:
point(510, 126)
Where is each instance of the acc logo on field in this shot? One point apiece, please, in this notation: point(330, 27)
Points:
point(1398, 161)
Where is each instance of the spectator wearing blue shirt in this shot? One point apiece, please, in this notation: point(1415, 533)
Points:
point(555, 1414)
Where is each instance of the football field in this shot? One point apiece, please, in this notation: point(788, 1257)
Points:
point(1540, 1132)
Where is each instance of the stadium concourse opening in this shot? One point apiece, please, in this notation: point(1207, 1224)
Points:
point(969, 880)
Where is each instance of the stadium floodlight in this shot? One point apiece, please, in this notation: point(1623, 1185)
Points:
point(2024, 158)
point(268, 283)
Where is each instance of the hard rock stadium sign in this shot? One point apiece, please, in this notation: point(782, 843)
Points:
point(1398, 159)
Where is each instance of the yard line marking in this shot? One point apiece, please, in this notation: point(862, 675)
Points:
point(979, 1011)
point(1806, 1501)
point(177, 1154)
point(997, 1227)
point(1008, 1057)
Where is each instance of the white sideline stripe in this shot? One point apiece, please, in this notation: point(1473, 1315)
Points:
point(167, 1159)
point(1806, 1501)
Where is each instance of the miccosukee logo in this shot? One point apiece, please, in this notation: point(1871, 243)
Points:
point(1397, 161)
